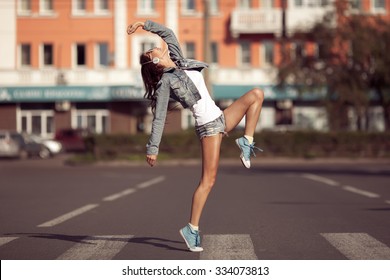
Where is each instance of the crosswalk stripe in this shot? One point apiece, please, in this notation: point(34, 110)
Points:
point(97, 248)
point(358, 246)
point(5, 240)
point(69, 215)
point(228, 247)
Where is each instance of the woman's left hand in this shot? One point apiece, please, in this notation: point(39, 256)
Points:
point(151, 159)
point(133, 27)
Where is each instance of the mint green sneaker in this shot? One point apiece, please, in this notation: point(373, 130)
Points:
point(246, 150)
point(192, 238)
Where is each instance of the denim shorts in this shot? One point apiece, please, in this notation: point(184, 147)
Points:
point(212, 128)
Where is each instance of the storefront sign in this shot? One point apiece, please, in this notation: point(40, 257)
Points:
point(70, 93)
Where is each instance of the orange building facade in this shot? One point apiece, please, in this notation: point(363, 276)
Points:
point(70, 63)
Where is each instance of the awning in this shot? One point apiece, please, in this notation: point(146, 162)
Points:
point(270, 92)
point(70, 93)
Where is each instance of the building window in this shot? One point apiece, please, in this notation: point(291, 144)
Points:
point(214, 6)
point(268, 53)
point(24, 6)
point(245, 4)
point(297, 50)
point(96, 121)
point(311, 3)
point(245, 54)
point(189, 6)
point(48, 55)
point(146, 6)
point(356, 4)
point(267, 3)
point(379, 6)
point(214, 52)
point(102, 55)
point(25, 55)
point(189, 50)
point(78, 6)
point(38, 122)
point(101, 5)
point(46, 6)
point(81, 55)
point(145, 46)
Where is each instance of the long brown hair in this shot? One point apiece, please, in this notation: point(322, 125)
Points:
point(151, 75)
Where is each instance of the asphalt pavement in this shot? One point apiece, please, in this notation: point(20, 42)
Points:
point(280, 209)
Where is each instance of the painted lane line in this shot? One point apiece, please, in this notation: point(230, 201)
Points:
point(69, 215)
point(227, 247)
point(5, 240)
point(119, 195)
point(97, 248)
point(361, 192)
point(128, 191)
point(320, 179)
point(358, 246)
point(150, 182)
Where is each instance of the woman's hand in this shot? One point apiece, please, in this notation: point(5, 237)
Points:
point(151, 159)
point(134, 26)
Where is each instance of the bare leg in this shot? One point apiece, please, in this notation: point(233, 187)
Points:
point(210, 158)
point(248, 105)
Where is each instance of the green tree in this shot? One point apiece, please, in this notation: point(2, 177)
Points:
point(351, 62)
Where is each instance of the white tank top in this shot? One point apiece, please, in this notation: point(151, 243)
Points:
point(205, 110)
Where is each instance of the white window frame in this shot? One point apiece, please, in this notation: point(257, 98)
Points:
point(98, 10)
point(267, 4)
point(42, 8)
point(145, 7)
point(29, 114)
point(244, 4)
point(308, 4)
point(380, 10)
point(189, 12)
point(76, 11)
point(214, 7)
point(21, 11)
point(98, 113)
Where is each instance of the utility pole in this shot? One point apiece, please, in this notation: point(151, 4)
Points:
point(206, 43)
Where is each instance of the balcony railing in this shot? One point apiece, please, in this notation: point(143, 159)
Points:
point(269, 20)
point(256, 21)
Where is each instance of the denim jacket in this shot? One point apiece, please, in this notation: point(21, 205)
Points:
point(174, 84)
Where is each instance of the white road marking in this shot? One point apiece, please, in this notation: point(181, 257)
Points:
point(97, 248)
point(227, 247)
point(119, 195)
point(358, 246)
point(133, 190)
point(5, 240)
point(150, 182)
point(361, 192)
point(320, 179)
point(69, 215)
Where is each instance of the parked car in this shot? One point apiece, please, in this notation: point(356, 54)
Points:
point(14, 144)
point(54, 147)
point(8, 146)
point(73, 140)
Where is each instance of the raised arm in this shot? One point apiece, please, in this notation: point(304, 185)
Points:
point(165, 33)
